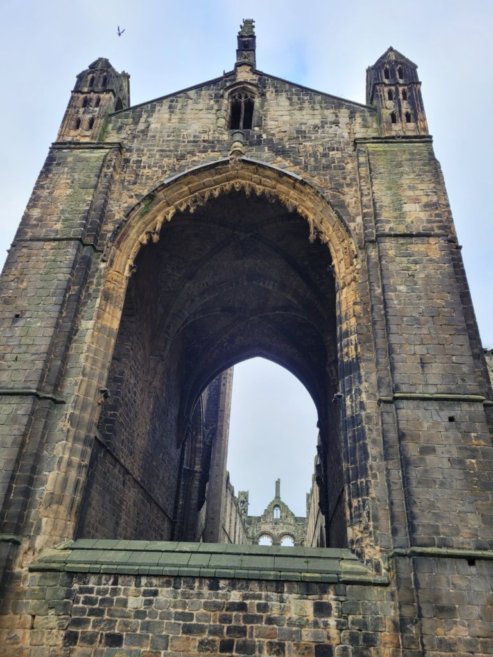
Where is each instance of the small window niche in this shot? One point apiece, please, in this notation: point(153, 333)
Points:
point(241, 111)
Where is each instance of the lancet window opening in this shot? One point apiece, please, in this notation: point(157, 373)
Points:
point(241, 110)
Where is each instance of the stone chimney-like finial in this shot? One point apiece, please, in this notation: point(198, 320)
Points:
point(245, 53)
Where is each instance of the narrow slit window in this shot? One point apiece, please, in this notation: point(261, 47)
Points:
point(104, 81)
point(235, 121)
point(277, 513)
point(97, 102)
point(241, 112)
point(399, 72)
point(404, 94)
point(386, 73)
point(390, 94)
point(77, 124)
point(85, 102)
point(408, 117)
point(90, 123)
point(248, 114)
point(393, 117)
point(91, 82)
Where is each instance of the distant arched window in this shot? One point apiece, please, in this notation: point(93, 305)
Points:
point(399, 72)
point(97, 102)
point(86, 101)
point(241, 111)
point(90, 123)
point(393, 117)
point(288, 540)
point(404, 94)
point(77, 124)
point(276, 513)
point(390, 94)
point(386, 73)
point(119, 105)
point(91, 82)
point(104, 81)
point(408, 117)
point(265, 539)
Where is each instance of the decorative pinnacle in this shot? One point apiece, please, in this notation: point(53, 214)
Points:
point(245, 53)
point(247, 28)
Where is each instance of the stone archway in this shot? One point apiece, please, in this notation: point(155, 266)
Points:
point(224, 263)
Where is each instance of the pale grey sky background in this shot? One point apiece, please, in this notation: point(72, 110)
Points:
point(324, 44)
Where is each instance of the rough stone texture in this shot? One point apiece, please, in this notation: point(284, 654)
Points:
point(96, 614)
point(159, 248)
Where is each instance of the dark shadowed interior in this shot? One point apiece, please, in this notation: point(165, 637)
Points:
point(238, 278)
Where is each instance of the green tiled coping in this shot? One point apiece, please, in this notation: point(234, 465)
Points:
point(296, 564)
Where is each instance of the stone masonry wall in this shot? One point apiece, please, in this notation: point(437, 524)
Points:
point(108, 615)
point(103, 615)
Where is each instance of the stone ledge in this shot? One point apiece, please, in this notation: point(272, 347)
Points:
point(297, 564)
point(11, 538)
point(394, 139)
point(30, 392)
point(433, 396)
point(444, 553)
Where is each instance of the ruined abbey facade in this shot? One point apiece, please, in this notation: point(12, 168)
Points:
point(165, 242)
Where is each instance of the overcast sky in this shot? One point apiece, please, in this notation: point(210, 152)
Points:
point(323, 44)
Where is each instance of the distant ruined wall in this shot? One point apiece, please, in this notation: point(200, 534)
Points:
point(234, 528)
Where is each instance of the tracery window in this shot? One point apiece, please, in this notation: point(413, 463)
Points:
point(241, 111)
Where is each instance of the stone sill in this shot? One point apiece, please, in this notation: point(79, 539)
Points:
point(258, 562)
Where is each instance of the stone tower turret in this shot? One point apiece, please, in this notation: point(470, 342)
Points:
point(393, 86)
point(99, 91)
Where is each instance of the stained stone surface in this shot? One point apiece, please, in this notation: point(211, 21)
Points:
point(159, 248)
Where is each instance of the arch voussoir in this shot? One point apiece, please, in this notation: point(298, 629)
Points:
point(194, 188)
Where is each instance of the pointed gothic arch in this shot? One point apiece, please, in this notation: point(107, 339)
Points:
point(142, 231)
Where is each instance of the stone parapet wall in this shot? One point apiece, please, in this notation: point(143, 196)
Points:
point(144, 599)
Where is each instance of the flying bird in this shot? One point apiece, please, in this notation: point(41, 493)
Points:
point(119, 31)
